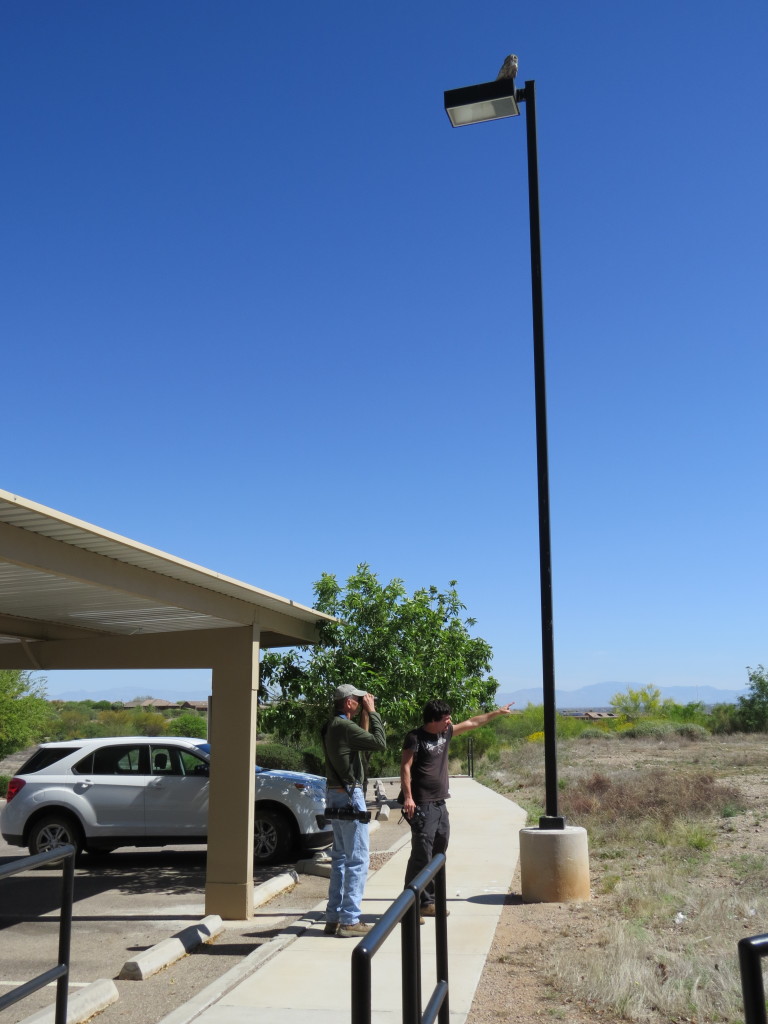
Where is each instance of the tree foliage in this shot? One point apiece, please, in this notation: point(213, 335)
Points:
point(188, 724)
point(24, 711)
point(752, 709)
point(641, 703)
point(404, 649)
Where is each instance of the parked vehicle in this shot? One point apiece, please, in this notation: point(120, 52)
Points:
point(99, 794)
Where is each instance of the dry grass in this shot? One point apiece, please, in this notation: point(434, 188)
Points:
point(679, 860)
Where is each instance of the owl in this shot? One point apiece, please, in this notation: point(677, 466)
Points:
point(508, 68)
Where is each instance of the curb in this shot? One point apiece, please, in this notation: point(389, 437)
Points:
point(186, 1013)
point(166, 952)
point(273, 886)
point(83, 1004)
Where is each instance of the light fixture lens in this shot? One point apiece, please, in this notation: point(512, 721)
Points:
point(485, 110)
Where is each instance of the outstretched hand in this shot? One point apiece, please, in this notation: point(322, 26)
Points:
point(507, 709)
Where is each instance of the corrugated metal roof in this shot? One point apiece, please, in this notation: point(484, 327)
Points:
point(39, 593)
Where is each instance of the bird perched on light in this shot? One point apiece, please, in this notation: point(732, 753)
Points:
point(508, 68)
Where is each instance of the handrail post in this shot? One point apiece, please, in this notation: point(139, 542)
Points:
point(410, 958)
point(441, 940)
point(65, 936)
point(59, 973)
point(751, 952)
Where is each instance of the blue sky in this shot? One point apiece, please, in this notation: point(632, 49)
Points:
point(263, 308)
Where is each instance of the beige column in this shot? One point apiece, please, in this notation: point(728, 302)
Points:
point(229, 875)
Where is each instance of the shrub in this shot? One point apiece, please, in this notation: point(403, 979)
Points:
point(188, 723)
point(276, 755)
point(483, 741)
point(593, 732)
point(658, 795)
point(691, 731)
point(723, 719)
point(313, 761)
point(4, 780)
point(649, 731)
point(384, 763)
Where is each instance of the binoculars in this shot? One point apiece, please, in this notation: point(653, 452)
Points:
point(347, 814)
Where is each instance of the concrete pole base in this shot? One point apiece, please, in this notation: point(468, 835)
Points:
point(554, 865)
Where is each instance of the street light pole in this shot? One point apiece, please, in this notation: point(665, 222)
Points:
point(552, 819)
point(471, 105)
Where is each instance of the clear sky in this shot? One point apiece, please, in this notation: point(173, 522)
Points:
point(263, 308)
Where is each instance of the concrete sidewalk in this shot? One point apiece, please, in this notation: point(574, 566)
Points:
point(308, 980)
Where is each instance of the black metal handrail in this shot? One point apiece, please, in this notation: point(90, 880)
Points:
point(59, 973)
point(751, 952)
point(405, 911)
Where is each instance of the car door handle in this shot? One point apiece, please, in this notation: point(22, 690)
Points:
point(157, 783)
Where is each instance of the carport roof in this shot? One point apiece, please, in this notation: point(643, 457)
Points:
point(62, 579)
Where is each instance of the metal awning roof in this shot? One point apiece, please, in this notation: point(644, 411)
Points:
point(62, 579)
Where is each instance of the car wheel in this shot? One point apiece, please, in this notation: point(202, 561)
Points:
point(53, 830)
point(272, 837)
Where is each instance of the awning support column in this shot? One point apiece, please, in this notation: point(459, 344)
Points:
point(229, 875)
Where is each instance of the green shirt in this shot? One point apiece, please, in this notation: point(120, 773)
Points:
point(344, 742)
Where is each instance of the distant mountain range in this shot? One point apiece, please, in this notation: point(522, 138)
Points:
point(598, 695)
point(118, 693)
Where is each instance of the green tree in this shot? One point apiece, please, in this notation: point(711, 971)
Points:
point(644, 702)
point(188, 724)
point(70, 723)
point(404, 649)
point(24, 711)
point(752, 710)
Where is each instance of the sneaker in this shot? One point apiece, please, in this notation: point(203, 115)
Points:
point(428, 910)
point(353, 931)
point(331, 927)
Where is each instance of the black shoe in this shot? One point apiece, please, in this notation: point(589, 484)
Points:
point(331, 927)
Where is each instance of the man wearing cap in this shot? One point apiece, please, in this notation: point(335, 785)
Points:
point(344, 742)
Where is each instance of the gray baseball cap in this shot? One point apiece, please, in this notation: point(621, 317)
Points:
point(347, 690)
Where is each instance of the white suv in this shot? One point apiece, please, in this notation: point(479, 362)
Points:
point(99, 794)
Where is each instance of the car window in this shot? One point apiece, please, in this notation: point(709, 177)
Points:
point(170, 760)
point(122, 759)
point(192, 764)
point(165, 761)
point(44, 757)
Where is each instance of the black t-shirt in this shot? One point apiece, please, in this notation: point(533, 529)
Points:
point(429, 768)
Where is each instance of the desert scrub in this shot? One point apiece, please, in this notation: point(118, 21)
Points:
point(647, 731)
point(691, 731)
point(593, 732)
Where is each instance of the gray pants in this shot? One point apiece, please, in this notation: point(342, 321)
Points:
point(430, 831)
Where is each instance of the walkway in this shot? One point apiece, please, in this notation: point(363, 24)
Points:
point(308, 981)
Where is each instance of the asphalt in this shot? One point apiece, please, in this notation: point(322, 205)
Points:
point(304, 976)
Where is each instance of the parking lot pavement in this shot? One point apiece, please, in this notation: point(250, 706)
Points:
point(126, 902)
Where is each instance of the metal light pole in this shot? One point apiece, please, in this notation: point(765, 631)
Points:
point(471, 105)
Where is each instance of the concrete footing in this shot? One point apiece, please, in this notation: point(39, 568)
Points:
point(554, 865)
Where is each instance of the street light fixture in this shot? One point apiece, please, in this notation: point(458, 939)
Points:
point(491, 101)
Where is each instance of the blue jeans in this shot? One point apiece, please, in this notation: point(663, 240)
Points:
point(349, 861)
